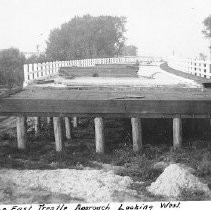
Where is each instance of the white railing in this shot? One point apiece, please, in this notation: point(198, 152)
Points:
point(43, 70)
point(196, 67)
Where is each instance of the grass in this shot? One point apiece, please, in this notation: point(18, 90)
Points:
point(80, 152)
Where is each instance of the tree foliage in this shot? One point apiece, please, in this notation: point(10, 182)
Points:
point(129, 50)
point(202, 56)
point(87, 37)
point(37, 59)
point(11, 67)
point(207, 27)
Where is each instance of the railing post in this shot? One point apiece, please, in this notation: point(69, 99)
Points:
point(35, 71)
point(26, 75)
point(30, 72)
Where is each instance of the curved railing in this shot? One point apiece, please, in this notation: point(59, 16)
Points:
point(196, 67)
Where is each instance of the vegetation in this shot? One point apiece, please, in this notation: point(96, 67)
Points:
point(80, 38)
point(202, 56)
point(143, 167)
point(129, 50)
point(87, 37)
point(37, 59)
point(207, 29)
point(80, 151)
point(11, 67)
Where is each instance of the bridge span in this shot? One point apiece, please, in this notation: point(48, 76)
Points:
point(45, 95)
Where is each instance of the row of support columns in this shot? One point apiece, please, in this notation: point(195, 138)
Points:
point(99, 132)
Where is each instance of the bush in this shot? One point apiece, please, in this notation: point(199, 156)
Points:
point(11, 67)
point(37, 59)
point(95, 75)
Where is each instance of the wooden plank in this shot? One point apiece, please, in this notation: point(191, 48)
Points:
point(21, 132)
point(58, 133)
point(99, 135)
point(100, 94)
point(177, 133)
point(68, 129)
point(136, 134)
point(111, 115)
point(105, 107)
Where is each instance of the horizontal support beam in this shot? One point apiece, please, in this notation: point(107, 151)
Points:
point(153, 108)
point(110, 115)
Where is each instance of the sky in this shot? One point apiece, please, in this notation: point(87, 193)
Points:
point(156, 27)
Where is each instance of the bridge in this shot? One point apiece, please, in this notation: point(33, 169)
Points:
point(45, 94)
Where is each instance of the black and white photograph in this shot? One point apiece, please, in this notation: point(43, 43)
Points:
point(105, 102)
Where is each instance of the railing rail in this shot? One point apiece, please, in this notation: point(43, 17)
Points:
point(196, 67)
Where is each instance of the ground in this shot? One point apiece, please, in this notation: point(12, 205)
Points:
point(27, 177)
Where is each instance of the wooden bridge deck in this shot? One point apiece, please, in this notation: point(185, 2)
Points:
point(145, 102)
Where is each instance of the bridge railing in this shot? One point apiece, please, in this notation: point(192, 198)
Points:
point(196, 67)
point(43, 70)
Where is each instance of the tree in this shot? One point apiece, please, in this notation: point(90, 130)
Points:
point(207, 30)
point(87, 37)
point(11, 67)
point(37, 59)
point(202, 56)
point(129, 50)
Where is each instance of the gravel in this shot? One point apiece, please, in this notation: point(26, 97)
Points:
point(174, 180)
point(87, 185)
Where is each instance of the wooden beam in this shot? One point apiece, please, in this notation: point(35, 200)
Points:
point(136, 134)
point(68, 128)
point(37, 125)
point(99, 135)
point(177, 133)
point(58, 133)
point(75, 122)
point(21, 132)
point(45, 107)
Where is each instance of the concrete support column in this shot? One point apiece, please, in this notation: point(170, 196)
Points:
point(177, 133)
point(58, 133)
point(37, 125)
point(21, 132)
point(49, 120)
point(75, 122)
point(99, 135)
point(68, 128)
point(136, 134)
